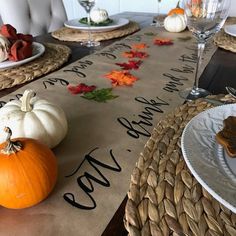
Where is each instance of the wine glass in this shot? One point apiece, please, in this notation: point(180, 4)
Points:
point(88, 5)
point(204, 19)
point(158, 20)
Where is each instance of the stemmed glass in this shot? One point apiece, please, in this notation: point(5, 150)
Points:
point(88, 5)
point(158, 19)
point(204, 19)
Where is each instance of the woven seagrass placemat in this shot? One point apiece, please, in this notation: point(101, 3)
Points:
point(55, 55)
point(75, 35)
point(224, 40)
point(164, 198)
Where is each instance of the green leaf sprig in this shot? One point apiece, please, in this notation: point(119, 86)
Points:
point(103, 23)
point(100, 95)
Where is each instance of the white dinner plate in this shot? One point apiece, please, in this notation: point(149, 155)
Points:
point(230, 29)
point(38, 50)
point(206, 159)
point(117, 23)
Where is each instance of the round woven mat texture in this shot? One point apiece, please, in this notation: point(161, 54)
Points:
point(164, 198)
point(224, 40)
point(75, 35)
point(55, 55)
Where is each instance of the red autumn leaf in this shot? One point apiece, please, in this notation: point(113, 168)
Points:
point(132, 64)
point(139, 46)
point(80, 88)
point(133, 54)
point(120, 78)
point(162, 41)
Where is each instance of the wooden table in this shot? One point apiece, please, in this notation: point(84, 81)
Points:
point(220, 72)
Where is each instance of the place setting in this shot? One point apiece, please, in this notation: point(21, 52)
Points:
point(185, 178)
point(97, 26)
point(37, 50)
point(207, 141)
point(22, 59)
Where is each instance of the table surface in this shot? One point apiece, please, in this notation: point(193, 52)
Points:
point(220, 72)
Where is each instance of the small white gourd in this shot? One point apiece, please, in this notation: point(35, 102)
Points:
point(175, 23)
point(98, 15)
point(4, 48)
point(32, 117)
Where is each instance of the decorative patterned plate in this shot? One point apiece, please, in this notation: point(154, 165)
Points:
point(38, 50)
point(206, 159)
point(117, 23)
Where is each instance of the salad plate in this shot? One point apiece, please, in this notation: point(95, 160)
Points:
point(230, 29)
point(206, 159)
point(115, 24)
point(38, 50)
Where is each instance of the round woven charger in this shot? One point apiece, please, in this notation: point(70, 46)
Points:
point(224, 40)
point(68, 34)
point(55, 55)
point(164, 198)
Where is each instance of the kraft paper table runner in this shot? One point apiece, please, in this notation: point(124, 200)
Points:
point(104, 138)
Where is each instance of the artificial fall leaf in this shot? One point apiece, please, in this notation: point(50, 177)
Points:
point(132, 64)
point(120, 78)
point(162, 41)
point(133, 54)
point(100, 95)
point(138, 46)
point(80, 88)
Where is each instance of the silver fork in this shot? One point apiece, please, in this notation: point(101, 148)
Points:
point(231, 91)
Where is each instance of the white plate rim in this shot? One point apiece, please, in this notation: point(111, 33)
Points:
point(9, 64)
point(123, 22)
point(228, 31)
point(230, 206)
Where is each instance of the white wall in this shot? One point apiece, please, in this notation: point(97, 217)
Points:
point(74, 10)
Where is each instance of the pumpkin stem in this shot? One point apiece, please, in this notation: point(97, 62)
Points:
point(11, 146)
point(177, 6)
point(25, 100)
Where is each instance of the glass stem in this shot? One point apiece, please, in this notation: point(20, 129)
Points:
point(89, 25)
point(201, 47)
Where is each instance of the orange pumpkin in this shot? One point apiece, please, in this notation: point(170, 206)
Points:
point(178, 10)
point(28, 172)
point(197, 2)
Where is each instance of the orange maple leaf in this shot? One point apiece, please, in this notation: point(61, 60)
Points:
point(162, 41)
point(139, 46)
point(120, 78)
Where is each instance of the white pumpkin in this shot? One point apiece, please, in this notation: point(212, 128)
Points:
point(35, 118)
point(4, 48)
point(175, 23)
point(98, 15)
